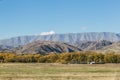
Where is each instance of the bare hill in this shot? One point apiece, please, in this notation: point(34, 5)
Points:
point(44, 47)
point(93, 45)
point(115, 47)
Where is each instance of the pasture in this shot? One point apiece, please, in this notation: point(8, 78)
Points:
point(54, 71)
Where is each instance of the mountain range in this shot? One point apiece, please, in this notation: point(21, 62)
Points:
point(58, 43)
point(71, 38)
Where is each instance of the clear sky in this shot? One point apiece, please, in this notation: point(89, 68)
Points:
point(32, 17)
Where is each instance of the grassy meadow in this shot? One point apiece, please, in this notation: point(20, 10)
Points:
point(53, 71)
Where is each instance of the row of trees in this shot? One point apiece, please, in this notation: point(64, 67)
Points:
point(74, 58)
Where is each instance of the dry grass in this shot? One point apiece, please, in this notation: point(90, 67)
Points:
point(37, 71)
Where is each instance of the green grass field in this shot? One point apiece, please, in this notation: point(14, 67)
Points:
point(37, 71)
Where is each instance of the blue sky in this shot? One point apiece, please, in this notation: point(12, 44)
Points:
point(32, 17)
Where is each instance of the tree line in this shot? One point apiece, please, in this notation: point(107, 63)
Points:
point(73, 58)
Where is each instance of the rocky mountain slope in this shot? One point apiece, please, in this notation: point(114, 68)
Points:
point(44, 47)
point(115, 47)
point(5, 48)
point(93, 45)
point(69, 38)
